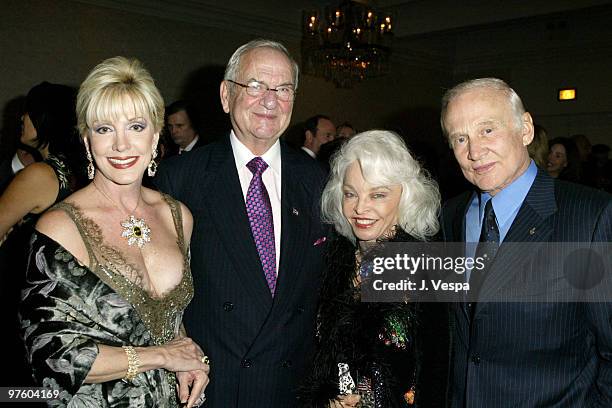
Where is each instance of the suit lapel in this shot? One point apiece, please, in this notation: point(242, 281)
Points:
point(533, 223)
point(228, 212)
point(295, 218)
point(459, 217)
point(458, 235)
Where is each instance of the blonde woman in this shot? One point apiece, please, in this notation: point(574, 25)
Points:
point(108, 277)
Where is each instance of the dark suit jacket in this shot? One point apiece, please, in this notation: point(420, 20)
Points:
point(259, 346)
point(534, 354)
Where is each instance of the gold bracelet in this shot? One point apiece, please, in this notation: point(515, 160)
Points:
point(133, 363)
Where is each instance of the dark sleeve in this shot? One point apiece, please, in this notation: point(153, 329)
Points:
point(59, 334)
point(434, 345)
point(162, 179)
point(599, 316)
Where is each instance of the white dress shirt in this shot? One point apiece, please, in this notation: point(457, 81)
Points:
point(271, 178)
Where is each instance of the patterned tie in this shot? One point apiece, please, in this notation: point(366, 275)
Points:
point(259, 212)
point(487, 246)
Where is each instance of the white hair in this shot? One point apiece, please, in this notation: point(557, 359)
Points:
point(518, 109)
point(233, 65)
point(384, 160)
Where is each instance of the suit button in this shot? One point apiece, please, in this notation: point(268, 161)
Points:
point(246, 363)
point(286, 363)
point(228, 306)
point(300, 310)
point(476, 359)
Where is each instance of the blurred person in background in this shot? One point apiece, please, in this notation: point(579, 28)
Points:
point(538, 148)
point(48, 131)
point(563, 160)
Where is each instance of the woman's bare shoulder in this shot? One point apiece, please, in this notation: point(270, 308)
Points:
point(57, 224)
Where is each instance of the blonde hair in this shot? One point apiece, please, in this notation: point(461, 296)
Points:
point(116, 86)
point(384, 160)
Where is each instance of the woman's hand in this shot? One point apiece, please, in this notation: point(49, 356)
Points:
point(183, 354)
point(184, 357)
point(191, 385)
point(345, 401)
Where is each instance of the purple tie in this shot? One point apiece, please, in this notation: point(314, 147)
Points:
point(259, 212)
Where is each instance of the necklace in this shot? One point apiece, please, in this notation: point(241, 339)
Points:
point(135, 230)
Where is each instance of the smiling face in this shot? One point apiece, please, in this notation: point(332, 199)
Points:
point(372, 211)
point(488, 143)
point(557, 160)
point(258, 122)
point(122, 147)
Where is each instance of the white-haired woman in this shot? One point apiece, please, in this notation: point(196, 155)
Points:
point(108, 278)
point(376, 192)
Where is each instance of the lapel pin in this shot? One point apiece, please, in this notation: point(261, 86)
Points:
point(532, 230)
point(295, 211)
point(320, 241)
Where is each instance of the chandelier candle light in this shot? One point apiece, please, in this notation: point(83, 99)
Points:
point(346, 44)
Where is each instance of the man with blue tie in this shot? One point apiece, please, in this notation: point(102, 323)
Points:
point(256, 250)
point(519, 354)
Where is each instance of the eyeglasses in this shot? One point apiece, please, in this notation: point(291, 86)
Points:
point(258, 89)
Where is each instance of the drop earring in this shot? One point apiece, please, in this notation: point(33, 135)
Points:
point(91, 170)
point(152, 167)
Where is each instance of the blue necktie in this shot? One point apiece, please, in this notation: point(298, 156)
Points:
point(487, 247)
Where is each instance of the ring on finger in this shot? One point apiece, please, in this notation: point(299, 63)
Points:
point(200, 400)
point(205, 360)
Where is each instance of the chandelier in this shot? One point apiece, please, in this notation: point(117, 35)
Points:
point(346, 44)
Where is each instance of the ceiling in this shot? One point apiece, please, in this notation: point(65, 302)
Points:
point(283, 17)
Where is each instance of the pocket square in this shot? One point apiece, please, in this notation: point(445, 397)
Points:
point(319, 241)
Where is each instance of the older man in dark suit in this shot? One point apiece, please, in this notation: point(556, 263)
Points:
point(256, 251)
point(520, 354)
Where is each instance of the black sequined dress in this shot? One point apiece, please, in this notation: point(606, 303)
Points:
point(376, 340)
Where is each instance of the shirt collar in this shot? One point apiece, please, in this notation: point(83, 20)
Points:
point(508, 200)
point(16, 164)
point(190, 145)
point(243, 155)
point(309, 152)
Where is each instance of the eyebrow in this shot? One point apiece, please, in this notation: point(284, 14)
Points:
point(371, 189)
point(264, 82)
point(489, 122)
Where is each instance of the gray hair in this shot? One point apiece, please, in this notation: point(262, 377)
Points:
point(490, 83)
point(385, 160)
point(233, 65)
